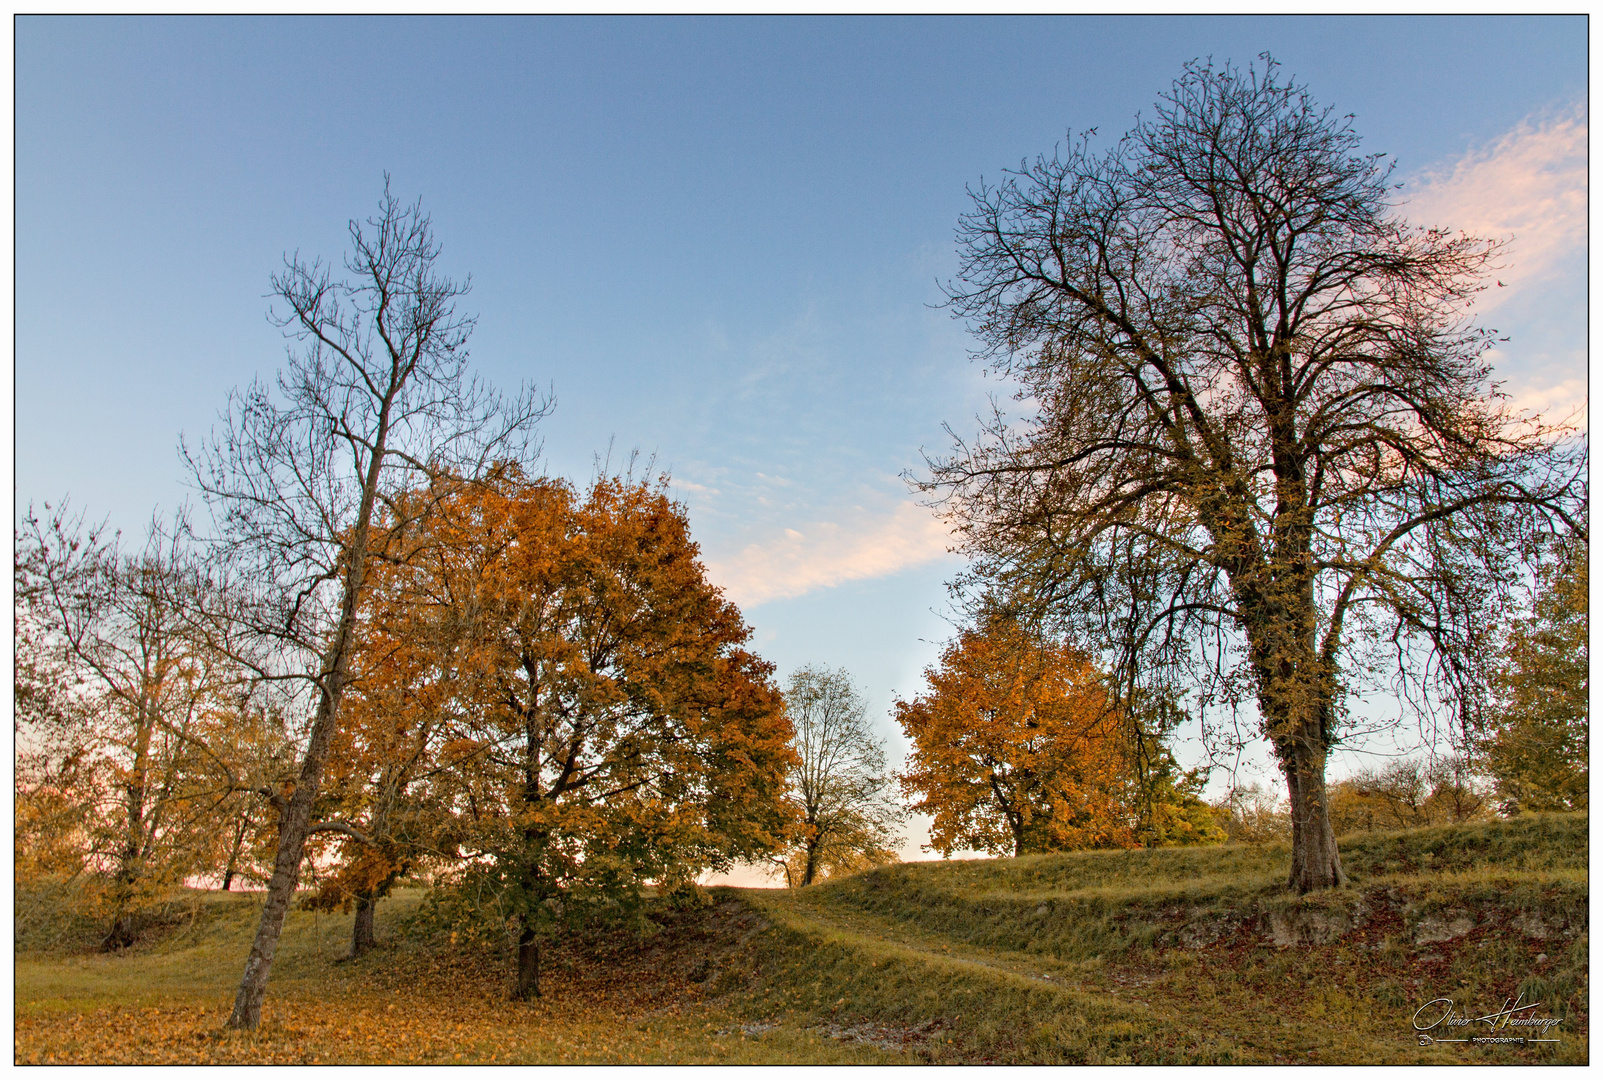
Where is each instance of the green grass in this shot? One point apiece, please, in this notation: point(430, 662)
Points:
point(1194, 955)
point(1168, 956)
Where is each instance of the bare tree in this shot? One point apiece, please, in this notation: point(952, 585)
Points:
point(840, 783)
point(1265, 460)
point(374, 399)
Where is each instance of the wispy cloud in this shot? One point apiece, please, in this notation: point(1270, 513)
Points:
point(1557, 393)
point(1527, 188)
point(792, 562)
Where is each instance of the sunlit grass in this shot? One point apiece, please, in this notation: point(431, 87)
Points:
point(1171, 955)
point(1164, 956)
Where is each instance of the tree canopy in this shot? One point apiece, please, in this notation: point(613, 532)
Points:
point(1535, 740)
point(596, 723)
point(1018, 747)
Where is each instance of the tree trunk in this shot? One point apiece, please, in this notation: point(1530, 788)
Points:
point(528, 964)
point(295, 826)
point(812, 862)
point(292, 836)
point(1295, 688)
point(233, 852)
point(122, 933)
point(362, 930)
point(1316, 864)
point(1015, 821)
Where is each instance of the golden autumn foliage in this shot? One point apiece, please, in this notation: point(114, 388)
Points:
point(551, 692)
point(1015, 749)
point(1018, 748)
point(382, 813)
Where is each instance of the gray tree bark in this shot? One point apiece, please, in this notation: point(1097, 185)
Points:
point(362, 938)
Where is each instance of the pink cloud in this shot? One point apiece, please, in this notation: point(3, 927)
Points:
point(1527, 188)
point(794, 562)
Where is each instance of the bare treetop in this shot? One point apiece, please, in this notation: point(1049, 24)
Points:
point(375, 398)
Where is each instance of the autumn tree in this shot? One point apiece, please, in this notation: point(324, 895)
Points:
point(1262, 460)
point(840, 786)
point(374, 399)
point(398, 712)
point(1535, 741)
point(131, 739)
point(604, 727)
point(1017, 747)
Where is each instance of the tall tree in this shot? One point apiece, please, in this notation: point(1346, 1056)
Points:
point(375, 398)
point(839, 783)
point(1263, 457)
point(603, 726)
point(1535, 742)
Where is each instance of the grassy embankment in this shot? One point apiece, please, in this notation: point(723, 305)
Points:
point(1193, 955)
point(1149, 956)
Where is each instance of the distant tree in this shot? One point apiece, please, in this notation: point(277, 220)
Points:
point(600, 726)
point(1018, 747)
point(839, 784)
point(1263, 458)
point(1535, 744)
point(1170, 809)
point(126, 719)
point(1408, 794)
point(374, 400)
point(1248, 814)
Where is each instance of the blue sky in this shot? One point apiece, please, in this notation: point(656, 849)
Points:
point(718, 240)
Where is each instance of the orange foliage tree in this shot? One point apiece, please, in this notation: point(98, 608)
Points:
point(594, 723)
point(1016, 748)
point(378, 801)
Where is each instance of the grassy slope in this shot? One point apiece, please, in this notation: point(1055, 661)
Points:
point(416, 1001)
point(1144, 956)
point(1191, 955)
